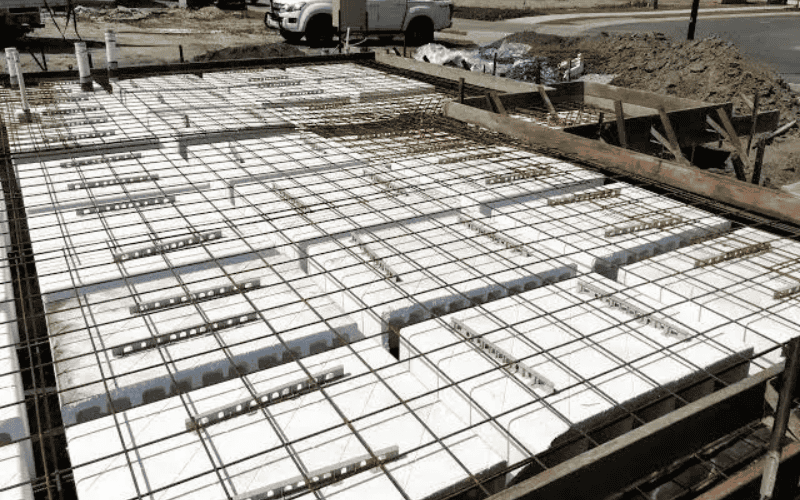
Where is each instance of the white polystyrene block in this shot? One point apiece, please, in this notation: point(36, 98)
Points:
point(15, 481)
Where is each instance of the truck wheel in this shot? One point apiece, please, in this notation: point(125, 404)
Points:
point(319, 30)
point(419, 32)
point(291, 36)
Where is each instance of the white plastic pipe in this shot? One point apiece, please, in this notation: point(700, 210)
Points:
point(84, 72)
point(111, 50)
point(12, 70)
point(21, 80)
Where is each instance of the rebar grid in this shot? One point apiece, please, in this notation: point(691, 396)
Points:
point(324, 199)
point(568, 114)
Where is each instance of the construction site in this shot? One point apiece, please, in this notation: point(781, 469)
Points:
point(362, 276)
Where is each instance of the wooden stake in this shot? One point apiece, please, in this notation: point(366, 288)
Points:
point(673, 139)
point(734, 140)
point(761, 146)
point(753, 125)
point(489, 102)
point(600, 125)
point(498, 103)
point(623, 138)
point(676, 151)
point(548, 103)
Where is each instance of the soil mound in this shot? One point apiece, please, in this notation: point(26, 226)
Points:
point(711, 69)
point(251, 52)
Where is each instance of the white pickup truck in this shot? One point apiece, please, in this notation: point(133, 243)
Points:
point(417, 19)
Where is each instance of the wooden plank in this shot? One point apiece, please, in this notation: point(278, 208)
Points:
point(673, 139)
point(729, 134)
point(640, 97)
point(733, 137)
point(470, 77)
point(689, 126)
point(563, 93)
point(548, 103)
point(768, 202)
point(620, 113)
point(490, 106)
point(754, 107)
point(655, 445)
point(750, 104)
point(601, 103)
point(498, 103)
point(676, 152)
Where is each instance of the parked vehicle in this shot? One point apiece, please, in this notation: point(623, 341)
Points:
point(416, 19)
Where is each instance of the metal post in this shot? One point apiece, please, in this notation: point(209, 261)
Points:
point(44, 57)
point(773, 458)
point(404, 45)
point(692, 19)
point(12, 68)
point(84, 72)
point(494, 65)
point(180, 52)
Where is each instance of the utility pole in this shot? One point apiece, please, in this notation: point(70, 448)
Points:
point(693, 19)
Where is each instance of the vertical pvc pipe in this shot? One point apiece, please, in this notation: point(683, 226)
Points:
point(84, 72)
point(26, 109)
point(12, 69)
point(111, 53)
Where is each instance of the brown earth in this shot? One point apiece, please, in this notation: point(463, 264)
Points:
point(710, 70)
point(251, 52)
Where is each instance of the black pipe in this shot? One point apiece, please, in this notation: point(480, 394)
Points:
point(693, 19)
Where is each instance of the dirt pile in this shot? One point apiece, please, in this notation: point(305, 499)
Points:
point(251, 52)
point(115, 15)
point(711, 69)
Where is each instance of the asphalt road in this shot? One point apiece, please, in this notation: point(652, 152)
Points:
point(774, 39)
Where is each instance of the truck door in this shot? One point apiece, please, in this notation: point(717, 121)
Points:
point(386, 15)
